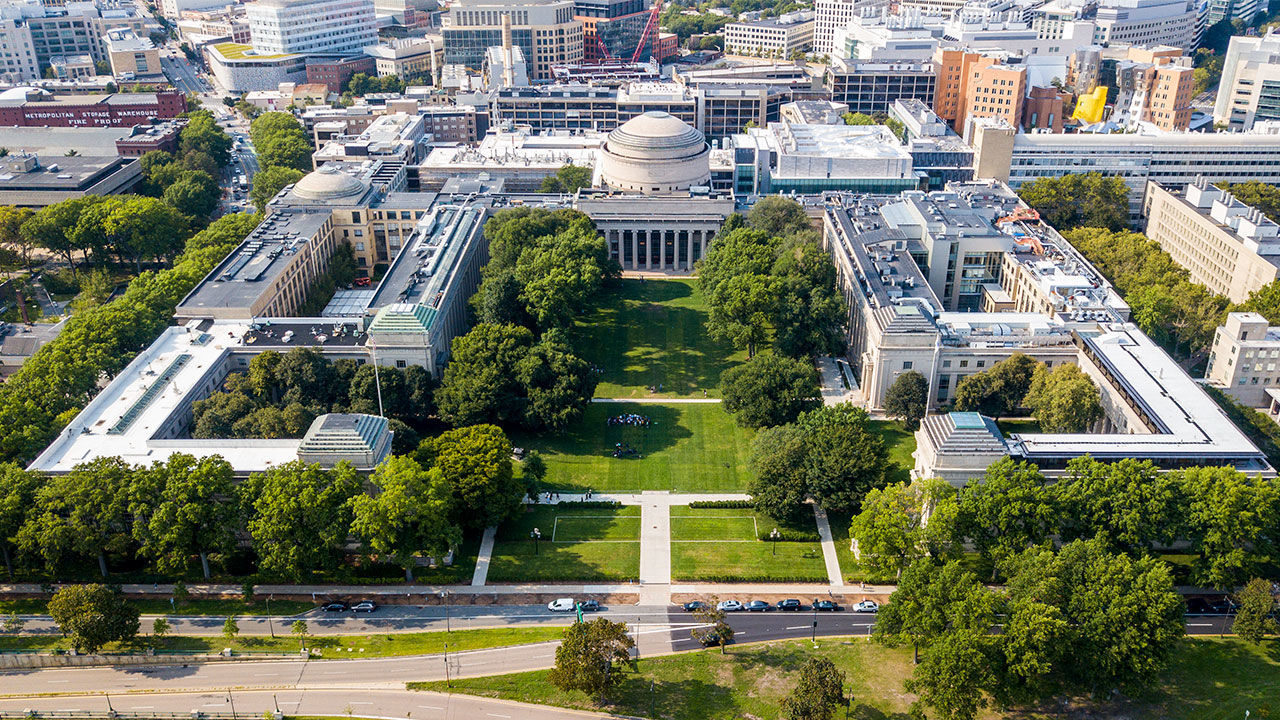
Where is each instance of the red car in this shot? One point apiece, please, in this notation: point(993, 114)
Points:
point(364, 282)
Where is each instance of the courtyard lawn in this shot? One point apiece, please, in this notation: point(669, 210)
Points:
point(689, 447)
point(652, 333)
point(1020, 425)
point(578, 544)
point(720, 544)
point(900, 444)
point(1208, 679)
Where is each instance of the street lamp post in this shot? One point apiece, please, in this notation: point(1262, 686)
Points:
point(774, 537)
point(536, 535)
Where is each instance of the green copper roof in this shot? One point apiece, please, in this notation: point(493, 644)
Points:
point(403, 318)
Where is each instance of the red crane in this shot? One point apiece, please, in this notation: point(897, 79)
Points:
point(650, 27)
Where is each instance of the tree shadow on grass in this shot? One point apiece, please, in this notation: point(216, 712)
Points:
point(673, 699)
point(594, 435)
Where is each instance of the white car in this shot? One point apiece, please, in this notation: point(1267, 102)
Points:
point(867, 606)
point(561, 605)
point(729, 606)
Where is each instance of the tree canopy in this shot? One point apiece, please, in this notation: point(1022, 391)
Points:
point(1080, 200)
point(770, 389)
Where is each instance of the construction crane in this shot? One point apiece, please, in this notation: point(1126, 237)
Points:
point(650, 27)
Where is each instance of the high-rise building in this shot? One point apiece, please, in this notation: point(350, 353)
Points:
point(616, 24)
point(1242, 10)
point(312, 27)
point(547, 33)
point(972, 85)
point(17, 52)
point(1250, 86)
point(779, 37)
point(831, 15)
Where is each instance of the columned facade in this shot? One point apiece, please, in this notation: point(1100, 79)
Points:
point(666, 234)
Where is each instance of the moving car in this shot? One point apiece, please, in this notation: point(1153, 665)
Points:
point(825, 605)
point(365, 606)
point(694, 606)
point(757, 606)
point(729, 606)
point(789, 604)
point(590, 605)
point(561, 605)
point(867, 606)
point(335, 606)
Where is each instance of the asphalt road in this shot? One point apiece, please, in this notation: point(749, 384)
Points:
point(183, 74)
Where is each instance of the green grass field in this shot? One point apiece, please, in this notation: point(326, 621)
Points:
point(720, 544)
point(582, 544)
point(1208, 679)
point(1027, 425)
point(900, 444)
point(693, 447)
point(652, 333)
point(344, 646)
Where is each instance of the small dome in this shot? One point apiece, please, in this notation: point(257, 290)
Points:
point(329, 183)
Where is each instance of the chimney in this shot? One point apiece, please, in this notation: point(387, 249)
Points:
point(508, 77)
point(435, 75)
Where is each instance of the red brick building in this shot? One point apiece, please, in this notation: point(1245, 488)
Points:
point(115, 110)
point(333, 72)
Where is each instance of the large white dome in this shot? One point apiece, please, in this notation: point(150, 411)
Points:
point(655, 153)
point(329, 183)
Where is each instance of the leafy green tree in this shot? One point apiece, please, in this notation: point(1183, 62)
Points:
point(557, 384)
point(92, 616)
point(475, 462)
point(592, 657)
point(845, 459)
point(1232, 520)
point(907, 399)
point(52, 228)
point(1064, 400)
point(901, 523)
point(1256, 618)
point(287, 151)
point(17, 496)
point(13, 624)
point(268, 183)
point(270, 124)
point(568, 179)
point(299, 630)
point(1009, 510)
point(299, 516)
point(408, 513)
point(160, 627)
point(998, 391)
point(1080, 200)
point(196, 193)
point(202, 134)
point(737, 252)
point(770, 389)
point(84, 513)
point(858, 118)
point(192, 512)
point(1129, 505)
point(809, 314)
point(713, 626)
point(741, 310)
point(818, 692)
point(230, 628)
point(1254, 193)
point(932, 602)
point(951, 679)
point(11, 237)
point(779, 486)
point(560, 277)
point(776, 215)
point(478, 384)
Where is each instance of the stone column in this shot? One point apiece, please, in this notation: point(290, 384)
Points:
point(635, 252)
point(648, 247)
point(688, 258)
point(702, 244)
point(662, 249)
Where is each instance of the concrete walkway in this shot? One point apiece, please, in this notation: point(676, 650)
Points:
point(829, 556)
point(659, 400)
point(833, 389)
point(481, 573)
point(655, 539)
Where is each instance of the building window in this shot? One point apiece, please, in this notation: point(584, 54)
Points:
point(906, 365)
point(400, 363)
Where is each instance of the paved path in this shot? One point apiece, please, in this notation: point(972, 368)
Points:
point(828, 547)
point(833, 389)
point(481, 573)
point(655, 539)
point(659, 400)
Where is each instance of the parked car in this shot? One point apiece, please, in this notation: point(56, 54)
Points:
point(867, 606)
point(729, 606)
point(363, 282)
point(335, 606)
point(590, 605)
point(365, 606)
point(790, 604)
point(694, 606)
point(1223, 606)
point(757, 606)
point(561, 605)
point(826, 605)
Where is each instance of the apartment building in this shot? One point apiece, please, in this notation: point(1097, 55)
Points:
point(1244, 360)
point(132, 57)
point(407, 57)
point(871, 86)
point(547, 32)
point(990, 87)
point(1249, 89)
point(312, 27)
point(1230, 248)
point(782, 37)
point(17, 52)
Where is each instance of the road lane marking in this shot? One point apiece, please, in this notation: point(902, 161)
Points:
point(1188, 625)
point(800, 627)
point(430, 707)
point(497, 715)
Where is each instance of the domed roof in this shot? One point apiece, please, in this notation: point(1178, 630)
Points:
point(654, 131)
point(328, 183)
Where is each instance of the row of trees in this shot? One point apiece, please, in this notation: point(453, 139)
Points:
point(298, 518)
point(52, 386)
point(767, 280)
point(1229, 521)
point(518, 365)
point(281, 394)
point(281, 141)
point(1081, 200)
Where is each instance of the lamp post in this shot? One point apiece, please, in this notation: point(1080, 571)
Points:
point(536, 535)
point(774, 537)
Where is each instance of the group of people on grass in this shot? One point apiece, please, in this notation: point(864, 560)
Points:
point(630, 419)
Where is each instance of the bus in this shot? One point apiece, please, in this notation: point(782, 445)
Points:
point(242, 182)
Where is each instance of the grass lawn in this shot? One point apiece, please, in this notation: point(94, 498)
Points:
point(330, 646)
point(1025, 425)
point(720, 544)
point(585, 544)
point(652, 333)
point(686, 448)
point(900, 444)
point(1208, 679)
